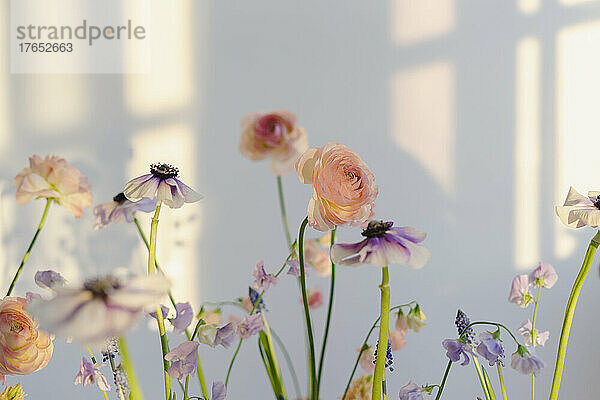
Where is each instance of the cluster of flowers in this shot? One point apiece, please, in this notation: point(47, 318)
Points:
point(98, 312)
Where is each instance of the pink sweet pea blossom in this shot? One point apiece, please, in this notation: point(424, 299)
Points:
point(315, 298)
point(540, 337)
point(543, 276)
point(366, 359)
point(520, 292)
point(397, 339)
point(317, 258)
point(89, 374)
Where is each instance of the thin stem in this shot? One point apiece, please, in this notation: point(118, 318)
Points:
point(277, 372)
point(114, 371)
point(26, 256)
point(95, 363)
point(284, 220)
point(232, 360)
point(441, 387)
point(497, 324)
point(329, 310)
point(159, 318)
point(289, 363)
point(185, 390)
point(533, 337)
point(488, 384)
point(569, 312)
point(131, 377)
point(481, 379)
point(362, 347)
point(311, 341)
point(501, 379)
point(383, 334)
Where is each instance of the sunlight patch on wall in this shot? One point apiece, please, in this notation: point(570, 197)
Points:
point(527, 153)
point(169, 82)
point(577, 118)
point(423, 118)
point(570, 3)
point(4, 81)
point(416, 21)
point(529, 7)
point(179, 229)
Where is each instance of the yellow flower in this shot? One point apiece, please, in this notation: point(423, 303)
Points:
point(13, 393)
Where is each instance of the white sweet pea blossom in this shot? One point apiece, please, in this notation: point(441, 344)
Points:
point(579, 210)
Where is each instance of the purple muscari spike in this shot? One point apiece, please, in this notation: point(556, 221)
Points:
point(254, 295)
point(389, 357)
point(461, 322)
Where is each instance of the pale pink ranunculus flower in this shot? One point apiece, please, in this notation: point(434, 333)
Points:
point(366, 359)
point(315, 298)
point(51, 177)
point(317, 258)
point(344, 188)
point(23, 348)
point(273, 135)
point(397, 339)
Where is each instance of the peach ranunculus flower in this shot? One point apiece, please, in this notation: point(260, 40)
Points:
point(23, 348)
point(51, 177)
point(274, 135)
point(344, 188)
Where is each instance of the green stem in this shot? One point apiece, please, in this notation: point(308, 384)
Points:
point(289, 363)
point(533, 337)
point(284, 220)
point(497, 324)
point(441, 387)
point(501, 379)
point(185, 390)
point(311, 341)
point(174, 303)
point(481, 379)
point(164, 345)
point(276, 369)
point(131, 377)
point(569, 312)
point(231, 362)
point(329, 310)
point(26, 256)
point(488, 384)
point(383, 335)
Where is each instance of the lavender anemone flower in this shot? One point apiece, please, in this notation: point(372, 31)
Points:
point(89, 374)
point(249, 326)
point(120, 210)
point(540, 337)
point(49, 279)
point(383, 246)
point(412, 391)
point(580, 210)
point(219, 391)
point(520, 291)
point(101, 308)
point(225, 336)
point(262, 279)
point(543, 276)
point(526, 362)
point(490, 347)
point(161, 183)
point(184, 359)
point(455, 349)
point(184, 317)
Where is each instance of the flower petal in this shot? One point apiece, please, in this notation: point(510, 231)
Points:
point(140, 187)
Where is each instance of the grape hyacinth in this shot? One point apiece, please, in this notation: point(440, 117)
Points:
point(461, 322)
point(389, 357)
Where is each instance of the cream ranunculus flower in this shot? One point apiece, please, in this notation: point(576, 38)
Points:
point(580, 210)
point(344, 188)
point(51, 177)
point(23, 348)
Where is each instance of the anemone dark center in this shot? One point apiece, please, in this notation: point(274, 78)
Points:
point(377, 229)
point(597, 202)
point(164, 171)
point(101, 288)
point(120, 198)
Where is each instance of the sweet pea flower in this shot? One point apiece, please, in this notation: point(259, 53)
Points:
point(262, 279)
point(366, 359)
point(520, 292)
point(249, 326)
point(397, 339)
point(540, 337)
point(294, 268)
point(207, 334)
point(52, 178)
point(317, 258)
point(23, 348)
point(361, 388)
point(184, 359)
point(415, 319)
point(401, 321)
point(210, 317)
point(49, 279)
point(274, 135)
point(225, 336)
point(89, 374)
point(161, 183)
point(411, 391)
point(490, 347)
point(580, 210)
point(344, 188)
point(13, 393)
point(315, 298)
point(455, 349)
point(120, 210)
point(102, 308)
point(382, 246)
point(164, 310)
point(543, 276)
point(218, 390)
point(526, 362)
point(184, 317)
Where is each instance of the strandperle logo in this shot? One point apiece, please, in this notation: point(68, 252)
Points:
point(84, 31)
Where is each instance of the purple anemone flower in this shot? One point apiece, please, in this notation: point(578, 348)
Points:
point(262, 279)
point(121, 210)
point(411, 391)
point(225, 336)
point(101, 308)
point(49, 279)
point(89, 374)
point(455, 349)
point(526, 362)
point(184, 317)
point(249, 326)
point(490, 347)
point(184, 359)
point(383, 246)
point(161, 183)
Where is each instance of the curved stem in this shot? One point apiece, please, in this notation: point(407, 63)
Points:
point(569, 312)
point(289, 363)
point(441, 387)
point(131, 377)
point(284, 220)
point(231, 362)
point(533, 337)
point(383, 335)
point(328, 320)
point(501, 379)
point(497, 324)
point(26, 256)
point(311, 341)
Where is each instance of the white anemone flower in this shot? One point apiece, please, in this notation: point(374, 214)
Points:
point(580, 210)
